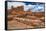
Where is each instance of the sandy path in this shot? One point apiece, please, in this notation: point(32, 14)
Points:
point(17, 25)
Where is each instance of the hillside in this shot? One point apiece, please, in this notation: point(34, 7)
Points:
point(20, 19)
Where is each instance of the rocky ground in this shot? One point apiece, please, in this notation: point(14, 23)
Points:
point(15, 22)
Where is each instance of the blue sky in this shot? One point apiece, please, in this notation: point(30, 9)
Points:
point(34, 7)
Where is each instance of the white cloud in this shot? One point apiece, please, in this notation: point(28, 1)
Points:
point(15, 4)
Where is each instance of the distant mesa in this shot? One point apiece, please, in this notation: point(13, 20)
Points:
point(19, 10)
